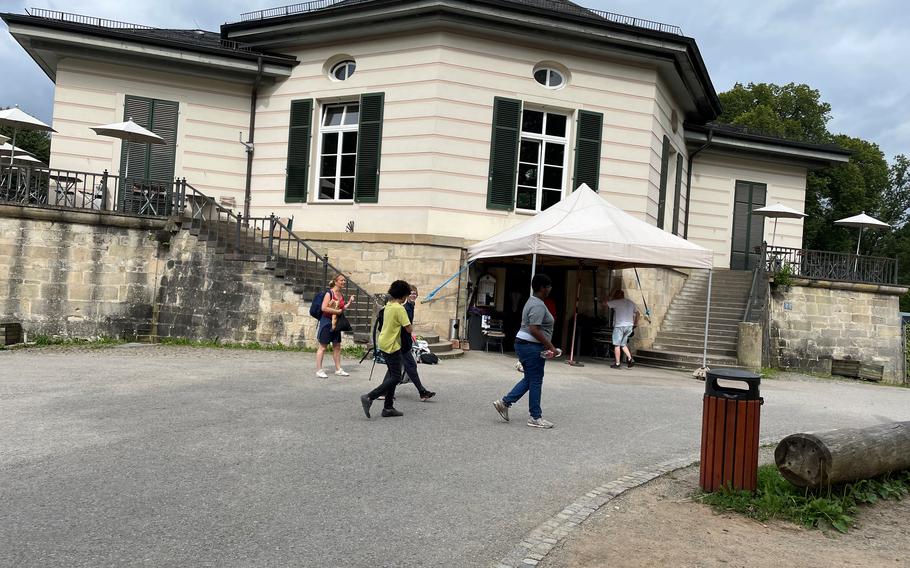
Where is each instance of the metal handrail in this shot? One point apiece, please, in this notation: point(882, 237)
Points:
point(561, 7)
point(833, 266)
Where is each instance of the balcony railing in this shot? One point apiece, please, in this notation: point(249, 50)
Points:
point(71, 189)
point(826, 265)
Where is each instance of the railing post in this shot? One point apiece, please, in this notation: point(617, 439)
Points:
point(325, 269)
point(894, 276)
point(104, 192)
point(271, 235)
point(239, 223)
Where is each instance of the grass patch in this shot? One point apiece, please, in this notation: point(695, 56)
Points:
point(54, 341)
point(350, 351)
point(777, 498)
point(769, 372)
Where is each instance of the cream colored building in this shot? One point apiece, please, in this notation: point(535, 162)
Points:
point(426, 125)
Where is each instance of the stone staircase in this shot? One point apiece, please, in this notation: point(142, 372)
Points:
point(442, 349)
point(680, 342)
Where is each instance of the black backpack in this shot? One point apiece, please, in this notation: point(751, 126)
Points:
point(316, 306)
point(429, 358)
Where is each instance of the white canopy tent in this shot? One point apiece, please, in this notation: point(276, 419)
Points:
point(586, 226)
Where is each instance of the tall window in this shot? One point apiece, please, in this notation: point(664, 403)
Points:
point(338, 151)
point(541, 160)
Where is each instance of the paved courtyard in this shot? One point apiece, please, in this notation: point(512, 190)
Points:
point(167, 456)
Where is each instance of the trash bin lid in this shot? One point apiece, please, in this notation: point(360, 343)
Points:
point(751, 380)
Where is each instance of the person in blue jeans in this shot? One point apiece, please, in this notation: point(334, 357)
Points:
point(533, 339)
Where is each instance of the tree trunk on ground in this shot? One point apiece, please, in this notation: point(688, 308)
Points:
point(822, 459)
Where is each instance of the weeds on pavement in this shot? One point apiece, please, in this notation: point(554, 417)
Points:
point(350, 351)
point(48, 341)
point(777, 498)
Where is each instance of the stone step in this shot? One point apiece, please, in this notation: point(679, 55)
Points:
point(696, 336)
point(687, 322)
point(682, 348)
point(736, 311)
point(685, 357)
point(440, 347)
point(451, 354)
point(428, 337)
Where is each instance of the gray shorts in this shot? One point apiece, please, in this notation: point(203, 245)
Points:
point(621, 335)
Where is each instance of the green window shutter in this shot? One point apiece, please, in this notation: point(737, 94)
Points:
point(587, 149)
point(140, 110)
point(162, 157)
point(677, 194)
point(664, 174)
point(298, 165)
point(369, 148)
point(504, 154)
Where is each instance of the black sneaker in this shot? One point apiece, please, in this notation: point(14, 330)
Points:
point(389, 412)
point(367, 403)
point(427, 395)
point(615, 366)
point(631, 363)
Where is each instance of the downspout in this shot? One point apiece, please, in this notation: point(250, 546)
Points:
point(254, 95)
point(705, 146)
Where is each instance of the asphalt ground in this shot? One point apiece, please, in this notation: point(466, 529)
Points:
point(176, 456)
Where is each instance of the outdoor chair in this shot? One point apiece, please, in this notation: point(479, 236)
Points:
point(493, 332)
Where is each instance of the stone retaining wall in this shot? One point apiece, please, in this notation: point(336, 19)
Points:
point(815, 321)
point(91, 278)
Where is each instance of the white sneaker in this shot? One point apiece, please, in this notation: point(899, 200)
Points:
point(502, 409)
point(342, 373)
point(539, 423)
point(321, 374)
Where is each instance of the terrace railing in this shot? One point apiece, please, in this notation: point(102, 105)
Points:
point(72, 189)
point(835, 266)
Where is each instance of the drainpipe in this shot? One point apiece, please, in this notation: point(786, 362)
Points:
point(705, 146)
point(254, 95)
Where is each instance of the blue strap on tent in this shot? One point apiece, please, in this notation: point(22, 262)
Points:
point(645, 302)
point(432, 294)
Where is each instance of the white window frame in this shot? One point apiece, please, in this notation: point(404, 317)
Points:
point(340, 129)
point(349, 72)
point(546, 84)
point(544, 139)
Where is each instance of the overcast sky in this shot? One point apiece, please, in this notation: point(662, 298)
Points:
point(854, 51)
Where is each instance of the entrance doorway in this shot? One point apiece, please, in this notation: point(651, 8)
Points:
point(748, 228)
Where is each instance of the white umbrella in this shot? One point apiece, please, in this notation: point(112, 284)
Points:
point(3, 139)
point(776, 212)
point(17, 119)
point(27, 159)
point(7, 149)
point(862, 221)
point(128, 131)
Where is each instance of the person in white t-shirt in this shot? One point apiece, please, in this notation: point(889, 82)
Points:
point(625, 318)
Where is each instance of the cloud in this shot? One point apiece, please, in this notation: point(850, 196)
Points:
point(853, 51)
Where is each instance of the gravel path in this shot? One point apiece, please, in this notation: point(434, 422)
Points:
point(152, 455)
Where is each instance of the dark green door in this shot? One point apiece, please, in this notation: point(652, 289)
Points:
point(748, 228)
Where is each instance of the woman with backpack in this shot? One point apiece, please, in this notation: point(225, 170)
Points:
point(333, 305)
point(407, 351)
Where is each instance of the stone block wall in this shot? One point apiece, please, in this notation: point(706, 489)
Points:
point(77, 274)
point(814, 321)
point(658, 286)
point(374, 261)
point(202, 296)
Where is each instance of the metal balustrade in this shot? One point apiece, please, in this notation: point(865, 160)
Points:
point(827, 265)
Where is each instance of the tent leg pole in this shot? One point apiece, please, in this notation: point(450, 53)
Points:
point(571, 360)
point(704, 358)
point(533, 271)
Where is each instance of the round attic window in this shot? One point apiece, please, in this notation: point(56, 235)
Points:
point(549, 78)
point(343, 70)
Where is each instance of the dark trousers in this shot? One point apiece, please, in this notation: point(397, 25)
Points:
point(391, 380)
point(410, 368)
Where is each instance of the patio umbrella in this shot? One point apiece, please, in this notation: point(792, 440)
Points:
point(862, 221)
point(128, 131)
point(18, 119)
point(776, 212)
point(3, 139)
point(7, 149)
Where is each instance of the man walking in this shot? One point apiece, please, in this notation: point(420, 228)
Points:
point(625, 318)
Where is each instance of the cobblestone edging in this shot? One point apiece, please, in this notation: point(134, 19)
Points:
point(540, 541)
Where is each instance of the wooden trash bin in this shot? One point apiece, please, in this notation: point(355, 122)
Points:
point(729, 431)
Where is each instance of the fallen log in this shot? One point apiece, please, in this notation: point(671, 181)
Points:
point(822, 459)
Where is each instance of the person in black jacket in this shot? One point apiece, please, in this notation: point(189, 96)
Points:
point(407, 354)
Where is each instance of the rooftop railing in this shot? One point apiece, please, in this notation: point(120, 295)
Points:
point(552, 5)
point(182, 36)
